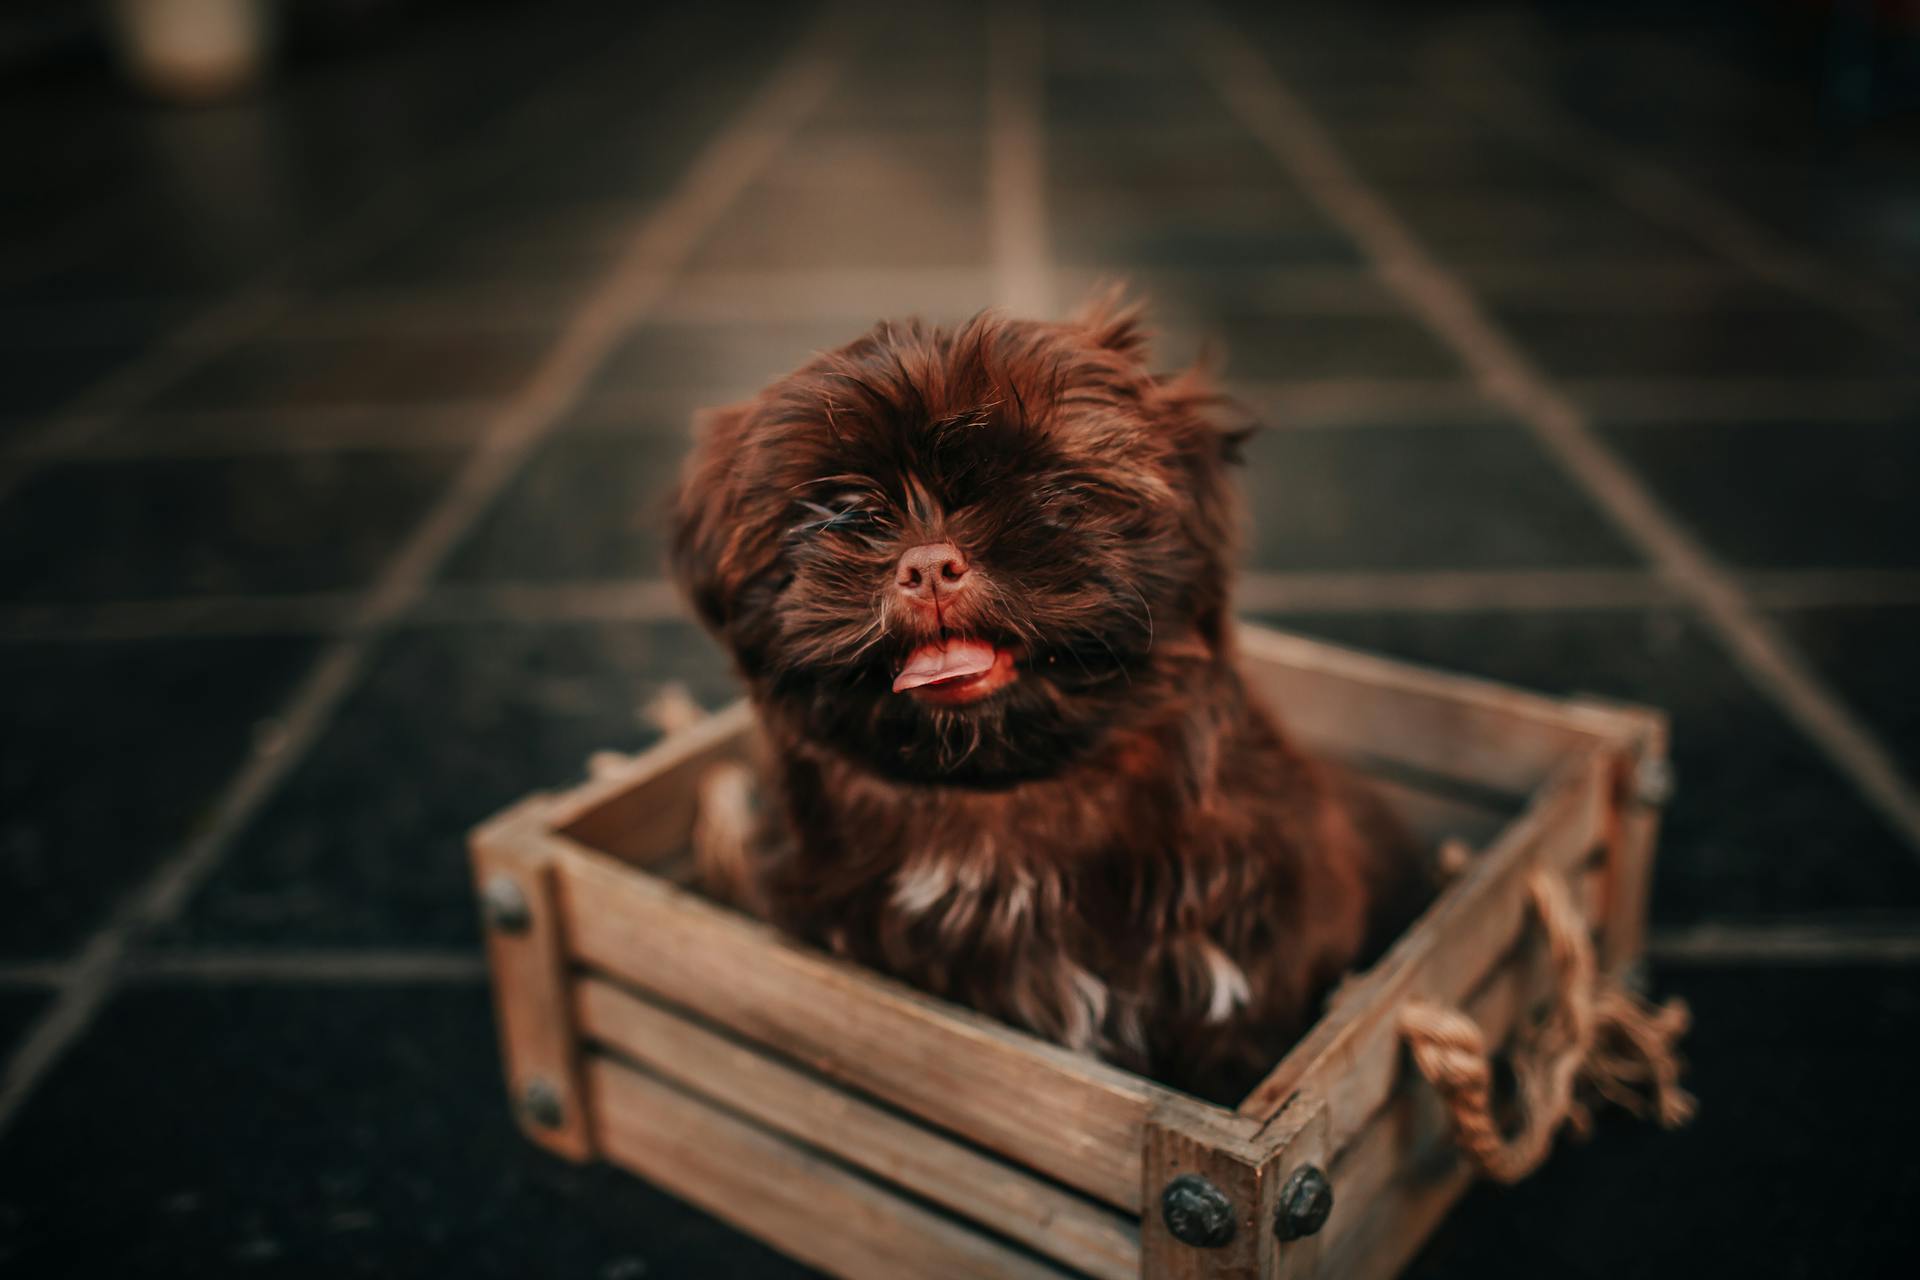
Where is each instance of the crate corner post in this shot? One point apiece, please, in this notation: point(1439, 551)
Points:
point(1211, 1196)
point(513, 877)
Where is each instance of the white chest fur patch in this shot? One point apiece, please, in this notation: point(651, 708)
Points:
point(1227, 990)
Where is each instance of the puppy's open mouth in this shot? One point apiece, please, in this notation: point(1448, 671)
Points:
point(956, 671)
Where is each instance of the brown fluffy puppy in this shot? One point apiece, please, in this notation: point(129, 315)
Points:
point(977, 583)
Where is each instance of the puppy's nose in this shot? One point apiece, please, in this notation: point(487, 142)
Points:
point(932, 574)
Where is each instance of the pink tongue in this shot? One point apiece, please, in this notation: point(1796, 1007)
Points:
point(933, 664)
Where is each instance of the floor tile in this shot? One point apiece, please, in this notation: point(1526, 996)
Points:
point(785, 227)
point(319, 1131)
point(413, 368)
point(1274, 346)
point(1472, 224)
point(1166, 160)
point(41, 381)
point(1779, 495)
point(537, 249)
point(736, 359)
point(1417, 497)
point(1127, 239)
point(1110, 100)
point(366, 842)
point(1704, 343)
point(110, 753)
point(1761, 826)
point(1869, 656)
point(141, 529)
point(18, 1009)
point(1782, 1061)
point(587, 506)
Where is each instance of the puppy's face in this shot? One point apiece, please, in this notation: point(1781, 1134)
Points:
point(963, 557)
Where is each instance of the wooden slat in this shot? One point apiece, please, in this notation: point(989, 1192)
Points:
point(1013, 1203)
point(1070, 1117)
point(1397, 1178)
point(802, 1205)
point(1630, 844)
point(1357, 707)
point(1350, 1058)
point(538, 1042)
point(1435, 817)
point(644, 808)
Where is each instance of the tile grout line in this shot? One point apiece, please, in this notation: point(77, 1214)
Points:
point(1016, 161)
point(1729, 944)
point(1307, 404)
point(251, 307)
point(1280, 122)
point(665, 239)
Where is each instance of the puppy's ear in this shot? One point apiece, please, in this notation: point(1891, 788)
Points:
point(1113, 322)
point(1222, 423)
point(710, 532)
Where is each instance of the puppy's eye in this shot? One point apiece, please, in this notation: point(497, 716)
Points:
point(856, 519)
point(826, 520)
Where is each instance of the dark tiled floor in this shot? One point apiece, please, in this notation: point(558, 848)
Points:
point(512, 156)
point(1812, 495)
point(1419, 497)
point(365, 843)
point(389, 369)
point(17, 1011)
point(1711, 343)
point(213, 526)
point(1870, 654)
point(1783, 1061)
point(108, 754)
point(589, 506)
point(315, 1131)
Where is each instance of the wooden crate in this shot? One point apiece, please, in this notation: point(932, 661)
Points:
point(870, 1130)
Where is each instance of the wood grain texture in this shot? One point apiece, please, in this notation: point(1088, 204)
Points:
point(1631, 839)
point(1396, 1177)
point(1356, 707)
point(1178, 1143)
point(1065, 1115)
point(1350, 1059)
point(802, 1205)
point(1063, 1226)
point(538, 1041)
point(641, 809)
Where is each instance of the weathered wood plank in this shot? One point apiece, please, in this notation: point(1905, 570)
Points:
point(1014, 1203)
point(1357, 706)
point(1630, 842)
point(538, 1041)
point(1077, 1120)
point(1435, 817)
point(1396, 1179)
point(802, 1205)
point(643, 808)
point(1350, 1058)
point(1181, 1145)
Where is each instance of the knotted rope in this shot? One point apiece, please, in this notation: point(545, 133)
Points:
point(1597, 1039)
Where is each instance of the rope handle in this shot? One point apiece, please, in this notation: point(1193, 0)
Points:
point(1597, 1039)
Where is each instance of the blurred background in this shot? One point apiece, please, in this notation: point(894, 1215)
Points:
point(350, 344)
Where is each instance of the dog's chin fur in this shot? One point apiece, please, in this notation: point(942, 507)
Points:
point(1117, 849)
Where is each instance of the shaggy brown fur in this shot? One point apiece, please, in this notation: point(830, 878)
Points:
point(1104, 839)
